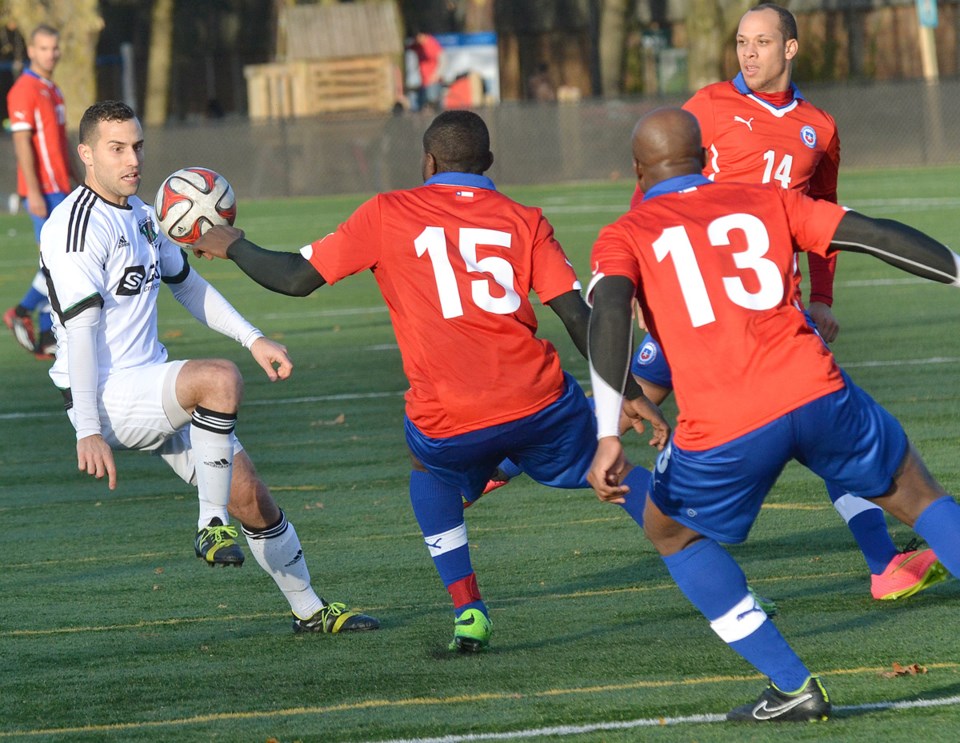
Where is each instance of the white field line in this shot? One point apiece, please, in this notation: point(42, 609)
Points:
point(651, 722)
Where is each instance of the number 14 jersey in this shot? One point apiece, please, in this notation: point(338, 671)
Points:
point(455, 262)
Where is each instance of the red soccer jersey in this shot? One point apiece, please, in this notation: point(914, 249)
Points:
point(35, 104)
point(713, 266)
point(749, 140)
point(456, 264)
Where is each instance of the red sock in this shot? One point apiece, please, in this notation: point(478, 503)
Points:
point(464, 591)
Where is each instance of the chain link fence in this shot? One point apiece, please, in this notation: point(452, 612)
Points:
point(897, 124)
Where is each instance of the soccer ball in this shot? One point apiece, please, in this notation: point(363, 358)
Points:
point(191, 201)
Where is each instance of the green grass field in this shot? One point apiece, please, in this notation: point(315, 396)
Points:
point(111, 629)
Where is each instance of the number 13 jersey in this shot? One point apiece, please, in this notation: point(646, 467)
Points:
point(713, 265)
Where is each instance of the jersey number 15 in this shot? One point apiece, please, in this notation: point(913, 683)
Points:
point(432, 242)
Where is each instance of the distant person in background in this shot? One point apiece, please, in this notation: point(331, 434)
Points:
point(44, 173)
point(429, 59)
point(540, 87)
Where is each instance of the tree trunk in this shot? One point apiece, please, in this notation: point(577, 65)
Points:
point(158, 64)
point(612, 37)
point(79, 23)
point(711, 25)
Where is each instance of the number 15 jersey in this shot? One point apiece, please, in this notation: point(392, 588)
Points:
point(455, 262)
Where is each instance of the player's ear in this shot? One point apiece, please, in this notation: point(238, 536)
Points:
point(489, 162)
point(85, 153)
point(428, 167)
point(703, 158)
point(791, 49)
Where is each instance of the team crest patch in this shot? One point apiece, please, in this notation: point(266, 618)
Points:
point(808, 136)
point(148, 230)
point(647, 354)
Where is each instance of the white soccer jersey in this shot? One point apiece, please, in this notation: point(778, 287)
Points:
point(97, 253)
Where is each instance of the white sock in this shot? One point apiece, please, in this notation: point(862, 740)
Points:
point(277, 549)
point(212, 440)
point(848, 506)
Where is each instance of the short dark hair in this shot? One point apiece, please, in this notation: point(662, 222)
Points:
point(788, 23)
point(44, 29)
point(102, 111)
point(459, 141)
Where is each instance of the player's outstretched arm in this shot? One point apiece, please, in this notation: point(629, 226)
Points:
point(899, 245)
point(281, 272)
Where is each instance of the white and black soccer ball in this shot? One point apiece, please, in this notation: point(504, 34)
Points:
point(191, 201)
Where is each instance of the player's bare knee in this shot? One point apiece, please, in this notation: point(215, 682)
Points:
point(223, 385)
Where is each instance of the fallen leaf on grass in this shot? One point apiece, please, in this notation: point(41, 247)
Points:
point(914, 669)
point(338, 421)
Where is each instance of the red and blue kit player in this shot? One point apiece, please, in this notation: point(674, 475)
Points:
point(711, 266)
point(456, 261)
point(44, 172)
point(758, 128)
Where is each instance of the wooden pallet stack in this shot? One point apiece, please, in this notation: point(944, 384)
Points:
point(337, 58)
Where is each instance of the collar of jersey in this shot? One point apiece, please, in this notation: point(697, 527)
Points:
point(741, 85)
point(42, 79)
point(677, 183)
point(470, 180)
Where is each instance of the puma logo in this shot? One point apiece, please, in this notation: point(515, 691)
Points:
point(748, 122)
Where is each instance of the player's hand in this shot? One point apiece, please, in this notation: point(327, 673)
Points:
point(272, 357)
point(827, 324)
point(95, 457)
point(214, 242)
point(608, 469)
point(640, 409)
point(36, 205)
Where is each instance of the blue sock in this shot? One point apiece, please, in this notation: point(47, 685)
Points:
point(867, 523)
point(509, 468)
point(638, 480)
point(714, 583)
point(45, 321)
point(438, 508)
point(939, 525)
point(32, 299)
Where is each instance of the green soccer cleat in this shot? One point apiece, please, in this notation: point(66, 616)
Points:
point(810, 703)
point(216, 543)
point(471, 632)
point(334, 618)
point(768, 605)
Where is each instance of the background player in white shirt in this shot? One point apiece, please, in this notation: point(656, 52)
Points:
point(104, 261)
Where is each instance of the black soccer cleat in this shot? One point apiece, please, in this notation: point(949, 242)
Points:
point(216, 543)
point(334, 618)
point(809, 704)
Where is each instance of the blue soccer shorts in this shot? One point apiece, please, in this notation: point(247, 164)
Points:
point(554, 446)
point(51, 200)
point(650, 365)
point(845, 437)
